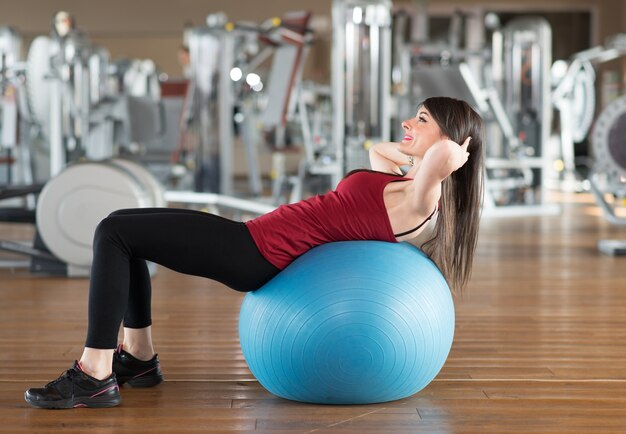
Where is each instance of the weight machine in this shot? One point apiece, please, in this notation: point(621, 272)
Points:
point(340, 123)
point(71, 109)
point(357, 108)
point(608, 175)
point(227, 95)
point(574, 98)
point(361, 81)
point(10, 55)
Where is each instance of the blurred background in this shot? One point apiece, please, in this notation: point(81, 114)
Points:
point(239, 106)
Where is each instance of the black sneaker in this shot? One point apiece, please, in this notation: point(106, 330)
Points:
point(135, 372)
point(74, 388)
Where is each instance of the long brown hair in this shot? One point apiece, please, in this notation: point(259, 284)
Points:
point(456, 230)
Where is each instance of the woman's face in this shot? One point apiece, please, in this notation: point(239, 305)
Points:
point(420, 133)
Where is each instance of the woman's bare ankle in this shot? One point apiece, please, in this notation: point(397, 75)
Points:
point(97, 363)
point(138, 342)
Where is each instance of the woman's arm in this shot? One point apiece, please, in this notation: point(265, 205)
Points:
point(385, 157)
point(440, 160)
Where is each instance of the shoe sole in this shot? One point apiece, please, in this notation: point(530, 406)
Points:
point(96, 402)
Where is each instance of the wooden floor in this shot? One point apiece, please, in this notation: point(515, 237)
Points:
point(540, 347)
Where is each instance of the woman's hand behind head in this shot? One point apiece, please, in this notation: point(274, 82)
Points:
point(448, 155)
point(459, 154)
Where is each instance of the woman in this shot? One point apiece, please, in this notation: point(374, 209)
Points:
point(443, 147)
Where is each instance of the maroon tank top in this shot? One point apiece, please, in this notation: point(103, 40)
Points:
point(354, 211)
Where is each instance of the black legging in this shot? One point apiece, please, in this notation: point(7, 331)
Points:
point(187, 241)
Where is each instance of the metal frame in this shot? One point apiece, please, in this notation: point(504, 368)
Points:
point(211, 86)
point(608, 176)
point(350, 135)
point(211, 99)
point(534, 35)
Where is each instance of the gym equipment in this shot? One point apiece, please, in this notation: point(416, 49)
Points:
point(361, 80)
point(71, 205)
point(208, 107)
point(608, 175)
point(80, 107)
point(10, 51)
point(17, 186)
point(81, 104)
point(227, 96)
point(59, 84)
point(574, 98)
point(518, 171)
point(16, 160)
point(527, 54)
point(354, 322)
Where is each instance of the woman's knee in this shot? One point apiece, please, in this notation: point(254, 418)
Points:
point(106, 228)
point(111, 224)
point(122, 211)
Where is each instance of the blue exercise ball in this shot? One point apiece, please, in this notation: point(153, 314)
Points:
point(353, 322)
